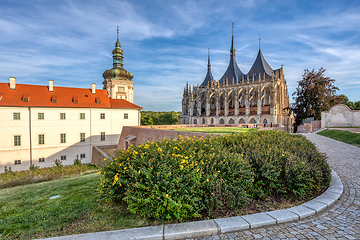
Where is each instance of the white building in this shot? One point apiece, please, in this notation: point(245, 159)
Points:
point(39, 124)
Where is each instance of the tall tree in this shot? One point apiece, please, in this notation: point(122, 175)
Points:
point(315, 93)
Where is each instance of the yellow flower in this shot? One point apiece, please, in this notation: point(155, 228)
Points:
point(186, 157)
point(283, 155)
point(302, 162)
point(159, 150)
point(181, 167)
point(197, 170)
point(167, 195)
point(125, 168)
point(99, 172)
point(104, 159)
point(139, 172)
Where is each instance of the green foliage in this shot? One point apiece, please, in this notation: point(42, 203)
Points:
point(203, 177)
point(77, 161)
point(350, 104)
point(344, 136)
point(58, 163)
point(315, 93)
point(36, 174)
point(160, 118)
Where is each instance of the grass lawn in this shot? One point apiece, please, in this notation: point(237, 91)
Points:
point(344, 136)
point(26, 212)
point(217, 129)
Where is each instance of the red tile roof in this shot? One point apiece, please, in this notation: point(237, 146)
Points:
point(39, 96)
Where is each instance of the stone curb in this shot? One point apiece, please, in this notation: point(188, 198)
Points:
point(222, 225)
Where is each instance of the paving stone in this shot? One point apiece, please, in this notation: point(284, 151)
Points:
point(317, 206)
point(302, 211)
point(190, 229)
point(283, 215)
point(232, 224)
point(259, 219)
point(151, 233)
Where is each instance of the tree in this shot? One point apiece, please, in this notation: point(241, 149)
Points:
point(315, 93)
point(350, 104)
point(160, 118)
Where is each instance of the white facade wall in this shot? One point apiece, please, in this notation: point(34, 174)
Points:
point(51, 127)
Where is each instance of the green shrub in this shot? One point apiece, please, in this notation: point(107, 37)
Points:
point(202, 177)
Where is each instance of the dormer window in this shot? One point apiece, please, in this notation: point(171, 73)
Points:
point(75, 99)
point(98, 100)
point(25, 98)
point(54, 99)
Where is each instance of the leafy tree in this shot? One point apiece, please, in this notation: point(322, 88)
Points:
point(350, 104)
point(315, 93)
point(160, 118)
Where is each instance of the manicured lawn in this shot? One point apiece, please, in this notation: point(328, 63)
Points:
point(26, 212)
point(344, 136)
point(217, 129)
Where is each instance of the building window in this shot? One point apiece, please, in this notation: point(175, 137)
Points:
point(126, 116)
point(102, 115)
point(102, 136)
point(40, 116)
point(17, 162)
point(82, 155)
point(82, 137)
point(63, 157)
point(62, 116)
point(82, 115)
point(41, 139)
point(17, 140)
point(63, 138)
point(16, 116)
point(41, 159)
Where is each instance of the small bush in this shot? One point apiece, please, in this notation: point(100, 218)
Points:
point(203, 177)
point(77, 161)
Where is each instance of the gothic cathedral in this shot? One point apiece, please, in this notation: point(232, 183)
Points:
point(258, 97)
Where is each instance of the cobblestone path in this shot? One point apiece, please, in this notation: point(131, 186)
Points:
point(341, 221)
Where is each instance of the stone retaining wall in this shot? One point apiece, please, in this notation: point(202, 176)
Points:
point(340, 116)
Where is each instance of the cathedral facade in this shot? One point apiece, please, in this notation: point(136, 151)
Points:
point(258, 97)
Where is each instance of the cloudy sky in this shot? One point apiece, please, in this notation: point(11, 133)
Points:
point(165, 43)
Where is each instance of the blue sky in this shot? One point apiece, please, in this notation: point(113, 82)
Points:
point(165, 43)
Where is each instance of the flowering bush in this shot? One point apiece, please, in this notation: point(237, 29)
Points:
point(200, 177)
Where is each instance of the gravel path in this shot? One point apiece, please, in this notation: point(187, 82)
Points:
point(341, 221)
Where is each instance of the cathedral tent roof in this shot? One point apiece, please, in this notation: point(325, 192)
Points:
point(232, 72)
point(260, 66)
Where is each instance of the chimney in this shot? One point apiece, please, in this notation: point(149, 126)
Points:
point(93, 88)
point(51, 85)
point(12, 83)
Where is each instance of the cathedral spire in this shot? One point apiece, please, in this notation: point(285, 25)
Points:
point(232, 50)
point(209, 77)
point(233, 71)
point(209, 65)
point(259, 42)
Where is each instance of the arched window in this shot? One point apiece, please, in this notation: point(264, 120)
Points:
point(203, 121)
point(241, 121)
point(231, 121)
point(195, 122)
point(212, 121)
point(222, 121)
point(252, 120)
